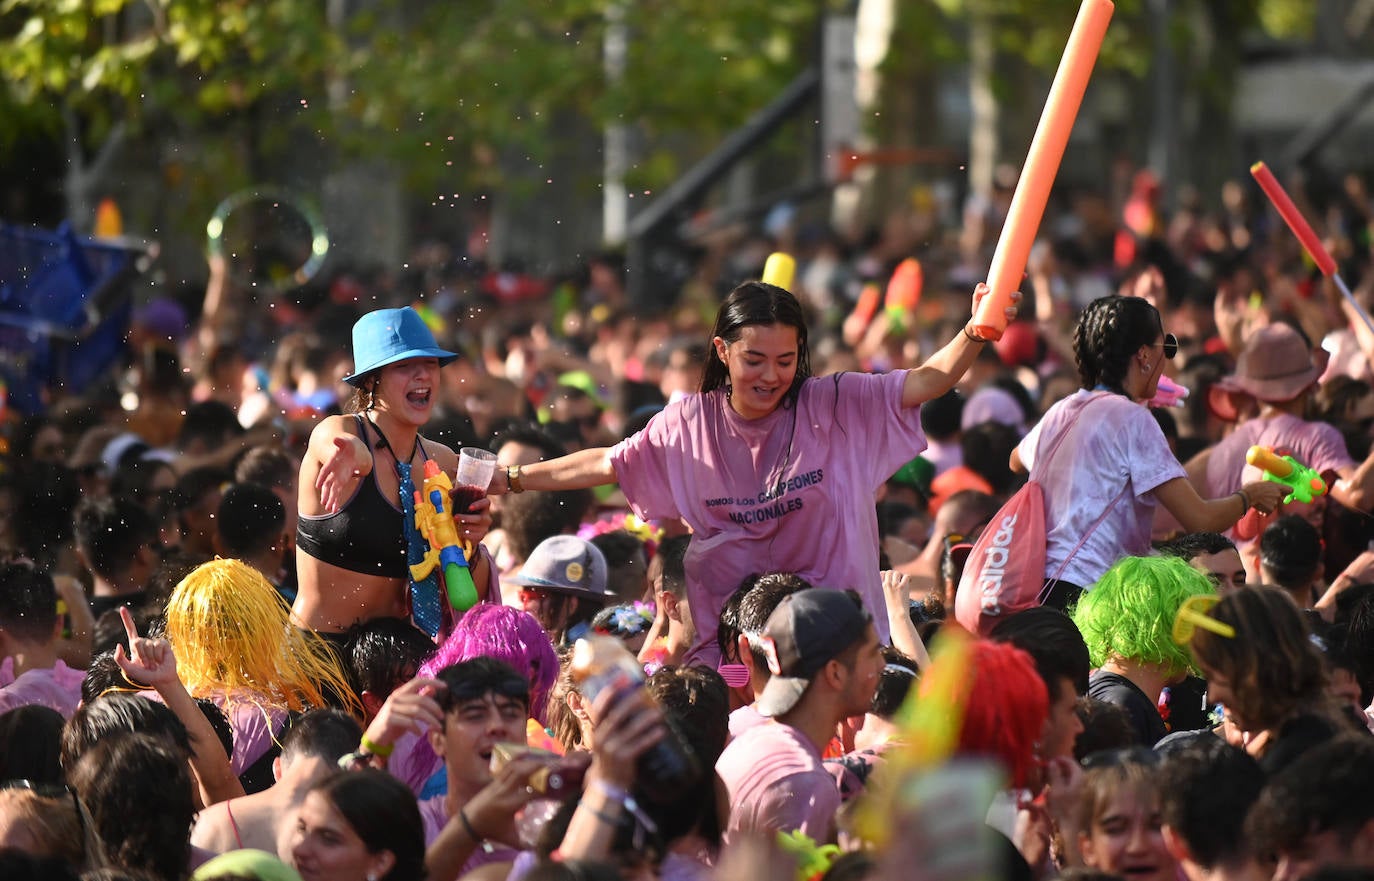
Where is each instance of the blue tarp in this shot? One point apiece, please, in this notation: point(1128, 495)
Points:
point(64, 312)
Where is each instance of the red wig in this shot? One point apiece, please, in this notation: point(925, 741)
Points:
point(1006, 710)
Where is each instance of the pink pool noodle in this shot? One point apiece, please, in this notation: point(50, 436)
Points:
point(1291, 216)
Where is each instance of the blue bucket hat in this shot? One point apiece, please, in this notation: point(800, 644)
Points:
point(389, 335)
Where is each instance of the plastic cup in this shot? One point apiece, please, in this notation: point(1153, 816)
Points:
point(475, 469)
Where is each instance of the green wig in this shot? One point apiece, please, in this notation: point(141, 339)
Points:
point(1129, 613)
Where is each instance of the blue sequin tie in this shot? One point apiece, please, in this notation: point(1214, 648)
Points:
point(424, 594)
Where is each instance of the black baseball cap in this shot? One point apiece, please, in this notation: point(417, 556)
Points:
point(806, 630)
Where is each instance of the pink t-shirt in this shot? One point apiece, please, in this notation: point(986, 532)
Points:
point(57, 687)
point(777, 782)
point(744, 718)
point(1117, 444)
point(434, 816)
point(790, 492)
point(253, 721)
point(1315, 444)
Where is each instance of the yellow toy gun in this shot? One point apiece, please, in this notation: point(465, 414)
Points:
point(434, 520)
point(1303, 483)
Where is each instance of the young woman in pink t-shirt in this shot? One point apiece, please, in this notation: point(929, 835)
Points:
point(773, 469)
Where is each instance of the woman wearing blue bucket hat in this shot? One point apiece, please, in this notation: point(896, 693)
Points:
point(354, 541)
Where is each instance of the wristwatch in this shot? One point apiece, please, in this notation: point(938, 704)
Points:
point(513, 483)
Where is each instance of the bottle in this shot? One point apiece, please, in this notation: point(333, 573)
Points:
point(669, 767)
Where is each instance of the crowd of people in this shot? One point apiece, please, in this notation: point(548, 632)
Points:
point(708, 629)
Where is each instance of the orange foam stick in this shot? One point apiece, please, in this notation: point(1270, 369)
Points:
point(1293, 217)
point(780, 269)
point(904, 288)
point(1042, 164)
point(867, 306)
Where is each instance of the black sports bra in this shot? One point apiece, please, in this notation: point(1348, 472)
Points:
point(366, 535)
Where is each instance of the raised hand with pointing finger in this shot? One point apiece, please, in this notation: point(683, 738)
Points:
point(151, 662)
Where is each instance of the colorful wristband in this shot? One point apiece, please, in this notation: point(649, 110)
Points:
point(377, 749)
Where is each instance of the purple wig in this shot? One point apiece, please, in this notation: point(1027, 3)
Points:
point(508, 635)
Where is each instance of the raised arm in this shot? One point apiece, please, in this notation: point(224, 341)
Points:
point(581, 470)
point(334, 463)
point(943, 369)
point(151, 662)
point(1196, 514)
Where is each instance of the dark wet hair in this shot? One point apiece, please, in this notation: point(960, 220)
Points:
point(116, 714)
point(328, 734)
point(1109, 332)
point(383, 813)
point(139, 792)
point(384, 653)
point(110, 532)
point(1196, 544)
point(1053, 642)
point(30, 737)
point(28, 602)
point(756, 303)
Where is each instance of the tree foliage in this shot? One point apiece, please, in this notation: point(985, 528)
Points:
point(441, 88)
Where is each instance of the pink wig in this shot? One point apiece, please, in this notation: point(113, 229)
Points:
point(508, 635)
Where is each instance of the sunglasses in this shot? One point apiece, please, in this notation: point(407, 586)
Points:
point(54, 791)
point(1170, 345)
point(512, 687)
point(735, 675)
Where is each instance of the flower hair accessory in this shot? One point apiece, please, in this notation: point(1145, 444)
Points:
point(642, 529)
point(625, 620)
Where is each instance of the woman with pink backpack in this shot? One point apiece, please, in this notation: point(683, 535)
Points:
point(1105, 463)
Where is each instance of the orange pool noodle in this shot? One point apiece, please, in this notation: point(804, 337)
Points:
point(904, 289)
point(1042, 164)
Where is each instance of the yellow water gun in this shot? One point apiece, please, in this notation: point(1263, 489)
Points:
point(434, 520)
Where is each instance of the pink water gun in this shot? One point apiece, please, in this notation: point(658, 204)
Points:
point(1168, 394)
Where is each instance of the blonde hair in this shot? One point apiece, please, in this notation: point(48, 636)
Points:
point(232, 633)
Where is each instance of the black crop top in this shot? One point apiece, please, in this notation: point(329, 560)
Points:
point(367, 534)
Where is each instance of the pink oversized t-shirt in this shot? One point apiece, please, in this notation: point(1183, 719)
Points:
point(792, 491)
point(776, 782)
point(57, 687)
point(1317, 445)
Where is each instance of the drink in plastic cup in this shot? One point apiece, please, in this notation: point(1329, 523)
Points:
point(475, 469)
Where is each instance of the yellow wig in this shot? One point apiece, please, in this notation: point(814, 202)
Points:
point(231, 632)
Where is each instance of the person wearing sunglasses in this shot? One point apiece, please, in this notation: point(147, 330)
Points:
point(1268, 676)
point(46, 820)
point(1107, 465)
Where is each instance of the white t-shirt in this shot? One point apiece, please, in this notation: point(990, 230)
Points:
point(1116, 444)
